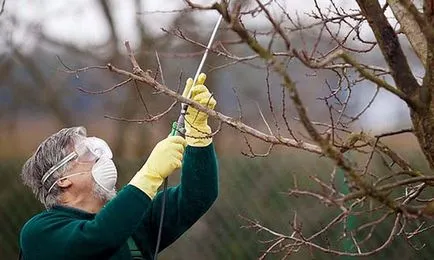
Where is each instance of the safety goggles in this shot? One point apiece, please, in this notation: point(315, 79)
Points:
point(87, 150)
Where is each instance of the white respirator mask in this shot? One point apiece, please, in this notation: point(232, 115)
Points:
point(105, 174)
point(90, 149)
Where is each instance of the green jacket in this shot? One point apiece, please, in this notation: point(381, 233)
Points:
point(69, 233)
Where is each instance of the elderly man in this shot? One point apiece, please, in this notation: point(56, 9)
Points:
point(74, 177)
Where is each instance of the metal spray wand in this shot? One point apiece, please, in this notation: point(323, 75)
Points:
point(178, 128)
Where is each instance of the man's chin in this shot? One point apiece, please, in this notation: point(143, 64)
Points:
point(102, 194)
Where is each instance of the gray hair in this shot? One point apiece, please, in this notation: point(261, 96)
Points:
point(50, 152)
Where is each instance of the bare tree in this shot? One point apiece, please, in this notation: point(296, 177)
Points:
point(31, 70)
point(340, 46)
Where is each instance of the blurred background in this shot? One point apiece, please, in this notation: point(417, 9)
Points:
point(42, 41)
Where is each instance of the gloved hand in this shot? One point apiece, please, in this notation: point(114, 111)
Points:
point(196, 123)
point(164, 159)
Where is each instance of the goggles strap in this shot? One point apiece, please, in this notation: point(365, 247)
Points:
point(53, 169)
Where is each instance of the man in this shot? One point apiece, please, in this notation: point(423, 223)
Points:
point(74, 177)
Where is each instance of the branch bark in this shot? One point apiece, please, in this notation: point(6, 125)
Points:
point(390, 47)
point(411, 29)
point(143, 76)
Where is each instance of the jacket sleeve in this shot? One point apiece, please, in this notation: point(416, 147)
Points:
point(81, 239)
point(185, 203)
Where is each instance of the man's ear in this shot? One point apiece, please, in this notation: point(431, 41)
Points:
point(64, 183)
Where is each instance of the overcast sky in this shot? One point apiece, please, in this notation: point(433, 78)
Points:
point(81, 21)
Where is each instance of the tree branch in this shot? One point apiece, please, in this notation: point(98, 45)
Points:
point(340, 53)
point(145, 77)
point(390, 47)
point(3, 7)
point(410, 28)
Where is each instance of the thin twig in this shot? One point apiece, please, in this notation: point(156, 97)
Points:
point(160, 68)
point(105, 90)
point(151, 119)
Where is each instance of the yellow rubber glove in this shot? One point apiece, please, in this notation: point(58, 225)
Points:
point(164, 159)
point(196, 123)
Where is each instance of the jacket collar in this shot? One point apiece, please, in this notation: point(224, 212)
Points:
point(73, 212)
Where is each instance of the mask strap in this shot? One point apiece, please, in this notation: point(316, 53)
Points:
point(65, 177)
